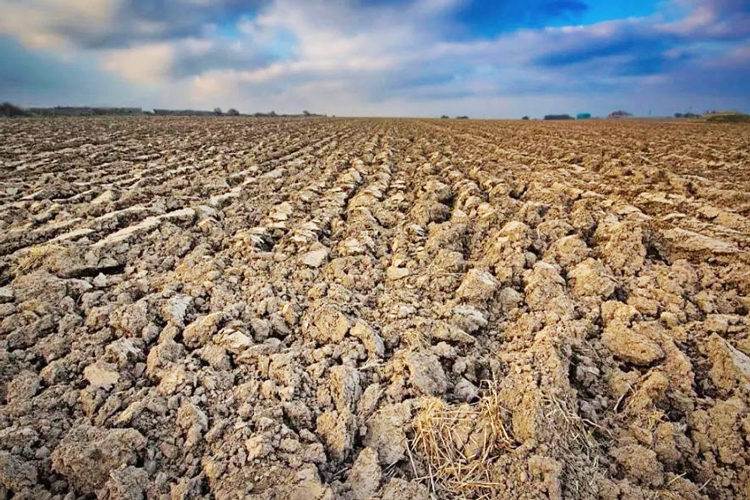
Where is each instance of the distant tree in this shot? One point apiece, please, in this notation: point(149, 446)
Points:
point(619, 114)
point(462, 117)
point(525, 118)
point(217, 112)
point(445, 117)
point(728, 117)
point(306, 113)
point(678, 115)
point(558, 117)
point(272, 113)
point(233, 112)
point(11, 110)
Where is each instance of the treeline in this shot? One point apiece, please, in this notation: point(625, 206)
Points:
point(183, 112)
point(583, 116)
point(8, 109)
point(11, 110)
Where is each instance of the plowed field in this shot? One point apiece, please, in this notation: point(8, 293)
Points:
point(386, 309)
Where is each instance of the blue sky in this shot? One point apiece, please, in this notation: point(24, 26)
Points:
point(380, 57)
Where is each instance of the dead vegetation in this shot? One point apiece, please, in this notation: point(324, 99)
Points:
point(459, 443)
point(34, 257)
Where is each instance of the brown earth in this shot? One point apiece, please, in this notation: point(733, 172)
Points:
point(386, 309)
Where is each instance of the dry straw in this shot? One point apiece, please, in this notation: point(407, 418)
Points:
point(459, 443)
point(35, 256)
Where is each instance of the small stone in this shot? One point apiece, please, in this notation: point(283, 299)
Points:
point(509, 298)
point(468, 318)
point(172, 379)
point(718, 323)
point(123, 351)
point(258, 447)
point(23, 387)
point(315, 258)
point(175, 309)
point(569, 251)
point(200, 331)
point(478, 285)
point(329, 324)
point(101, 375)
point(369, 337)
point(396, 273)
point(106, 197)
point(6, 294)
point(289, 445)
point(426, 373)
point(193, 421)
point(450, 333)
point(261, 329)
point(163, 354)
point(466, 391)
point(234, 341)
point(215, 355)
point(590, 279)
point(100, 281)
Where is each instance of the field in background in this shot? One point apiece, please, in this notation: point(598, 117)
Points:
point(374, 308)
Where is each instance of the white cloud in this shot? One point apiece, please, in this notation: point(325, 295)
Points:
point(345, 57)
point(145, 64)
point(50, 24)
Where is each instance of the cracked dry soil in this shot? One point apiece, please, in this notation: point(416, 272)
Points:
point(373, 309)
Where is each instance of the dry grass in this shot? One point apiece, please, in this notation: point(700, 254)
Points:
point(35, 256)
point(460, 443)
point(582, 450)
point(415, 339)
point(579, 431)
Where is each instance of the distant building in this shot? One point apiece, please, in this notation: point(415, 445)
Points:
point(583, 116)
point(182, 112)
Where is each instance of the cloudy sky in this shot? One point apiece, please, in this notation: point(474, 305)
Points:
point(498, 58)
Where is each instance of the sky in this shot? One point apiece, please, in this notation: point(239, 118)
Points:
point(485, 59)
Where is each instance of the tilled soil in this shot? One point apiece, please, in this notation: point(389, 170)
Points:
point(388, 309)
